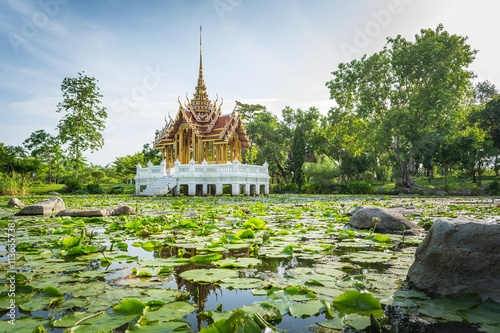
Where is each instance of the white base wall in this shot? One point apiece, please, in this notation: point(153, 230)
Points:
point(253, 178)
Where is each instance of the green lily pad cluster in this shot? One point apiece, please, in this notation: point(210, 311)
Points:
point(282, 257)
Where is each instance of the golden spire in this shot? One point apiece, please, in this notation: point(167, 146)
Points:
point(201, 103)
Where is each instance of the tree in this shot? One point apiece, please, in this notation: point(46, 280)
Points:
point(484, 92)
point(83, 123)
point(98, 175)
point(267, 143)
point(150, 154)
point(298, 155)
point(13, 159)
point(247, 111)
point(406, 92)
point(300, 132)
point(42, 145)
point(126, 166)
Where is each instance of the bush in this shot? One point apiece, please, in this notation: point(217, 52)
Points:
point(358, 187)
point(312, 188)
point(15, 185)
point(493, 188)
point(369, 177)
point(73, 184)
point(292, 187)
point(94, 188)
point(117, 190)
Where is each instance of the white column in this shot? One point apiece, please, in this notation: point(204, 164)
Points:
point(235, 189)
point(191, 189)
point(204, 191)
point(218, 189)
point(247, 189)
point(257, 189)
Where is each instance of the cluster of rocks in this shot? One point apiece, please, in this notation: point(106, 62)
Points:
point(457, 256)
point(55, 206)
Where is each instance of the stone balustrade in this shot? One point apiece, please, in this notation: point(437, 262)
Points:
point(254, 179)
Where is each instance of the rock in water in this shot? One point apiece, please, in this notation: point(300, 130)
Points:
point(44, 207)
point(98, 212)
point(15, 202)
point(90, 212)
point(120, 210)
point(391, 221)
point(458, 256)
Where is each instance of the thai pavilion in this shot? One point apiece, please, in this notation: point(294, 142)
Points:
point(201, 150)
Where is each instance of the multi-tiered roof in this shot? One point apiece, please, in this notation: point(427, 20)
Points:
point(205, 119)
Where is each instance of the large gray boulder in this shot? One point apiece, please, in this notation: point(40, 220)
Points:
point(15, 202)
point(403, 210)
point(98, 212)
point(44, 207)
point(458, 256)
point(391, 221)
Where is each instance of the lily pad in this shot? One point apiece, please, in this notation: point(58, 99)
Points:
point(310, 308)
point(208, 275)
point(354, 301)
point(170, 311)
point(237, 262)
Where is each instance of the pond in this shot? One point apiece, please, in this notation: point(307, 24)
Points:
point(279, 263)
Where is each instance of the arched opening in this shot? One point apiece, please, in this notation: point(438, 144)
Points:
point(211, 189)
point(252, 190)
point(199, 190)
point(262, 189)
point(183, 189)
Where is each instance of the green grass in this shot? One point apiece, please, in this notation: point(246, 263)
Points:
point(438, 183)
point(46, 188)
point(61, 188)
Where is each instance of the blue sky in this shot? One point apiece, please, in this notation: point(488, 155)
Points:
point(145, 54)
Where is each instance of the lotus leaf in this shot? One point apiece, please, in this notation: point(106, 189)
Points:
point(255, 223)
point(243, 283)
point(23, 325)
point(486, 312)
point(237, 322)
point(208, 275)
point(161, 327)
point(246, 233)
point(170, 311)
point(205, 257)
point(354, 301)
point(129, 306)
point(238, 262)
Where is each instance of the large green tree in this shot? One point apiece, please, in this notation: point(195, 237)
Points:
point(268, 145)
point(300, 129)
point(407, 91)
point(126, 166)
point(42, 145)
point(84, 120)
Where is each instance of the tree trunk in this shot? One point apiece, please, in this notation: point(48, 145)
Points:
point(445, 171)
point(403, 172)
point(76, 164)
point(50, 169)
point(58, 173)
